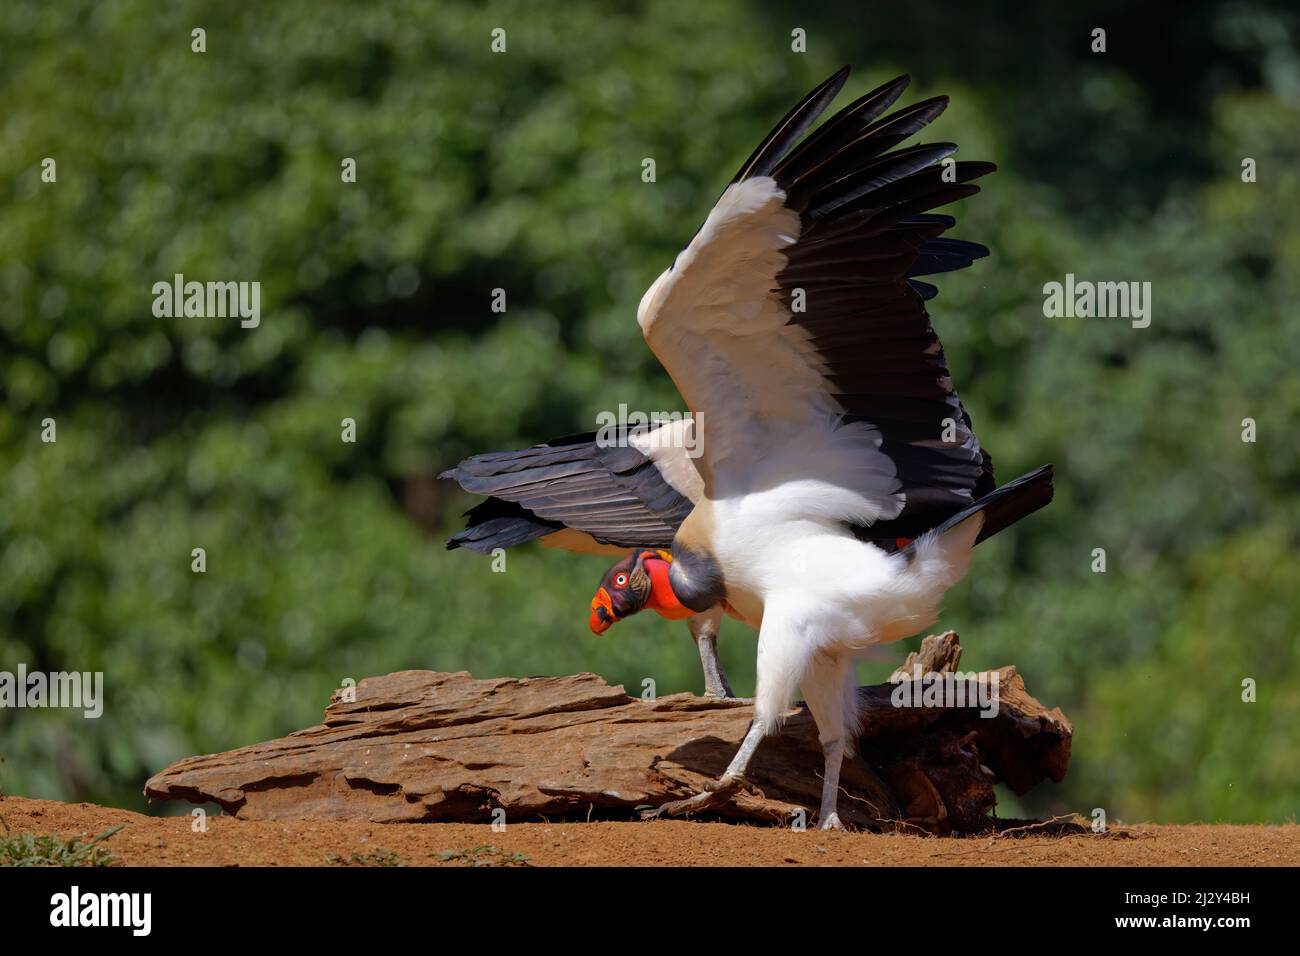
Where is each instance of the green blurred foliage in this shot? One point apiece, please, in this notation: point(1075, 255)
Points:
point(521, 171)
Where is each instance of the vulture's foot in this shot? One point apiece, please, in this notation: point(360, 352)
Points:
point(832, 822)
point(714, 793)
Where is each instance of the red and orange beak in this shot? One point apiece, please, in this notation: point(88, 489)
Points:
point(602, 612)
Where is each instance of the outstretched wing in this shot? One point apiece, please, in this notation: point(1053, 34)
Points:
point(630, 489)
point(794, 321)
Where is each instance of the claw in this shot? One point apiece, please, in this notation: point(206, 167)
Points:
point(712, 794)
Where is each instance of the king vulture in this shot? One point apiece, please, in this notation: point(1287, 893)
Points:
point(841, 488)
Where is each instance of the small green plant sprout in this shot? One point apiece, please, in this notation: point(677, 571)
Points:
point(27, 849)
point(485, 855)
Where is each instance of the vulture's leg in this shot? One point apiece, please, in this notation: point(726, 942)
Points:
point(831, 690)
point(704, 628)
point(782, 657)
point(717, 791)
point(827, 816)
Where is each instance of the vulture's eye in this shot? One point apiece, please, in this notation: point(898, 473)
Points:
point(621, 580)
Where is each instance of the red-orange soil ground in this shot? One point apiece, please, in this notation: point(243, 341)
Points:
point(169, 841)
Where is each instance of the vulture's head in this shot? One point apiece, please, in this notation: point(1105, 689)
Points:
point(638, 581)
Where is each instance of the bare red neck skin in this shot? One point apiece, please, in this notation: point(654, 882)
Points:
point(662, 598)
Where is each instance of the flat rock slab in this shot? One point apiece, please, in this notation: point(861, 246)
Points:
point(423, 746)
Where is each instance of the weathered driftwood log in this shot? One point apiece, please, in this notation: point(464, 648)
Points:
point(420, 746)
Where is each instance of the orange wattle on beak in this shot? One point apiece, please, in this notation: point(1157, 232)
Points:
point(602, 612)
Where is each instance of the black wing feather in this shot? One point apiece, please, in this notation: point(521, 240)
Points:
point(792, 126)
point(866, 206)
point(613, 493)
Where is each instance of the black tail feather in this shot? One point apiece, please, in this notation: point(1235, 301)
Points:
point(1005, 505)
